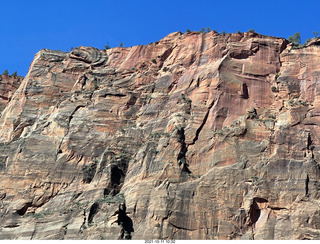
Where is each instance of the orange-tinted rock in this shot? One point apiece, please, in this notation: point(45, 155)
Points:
point(203, 136)
point(8, 86)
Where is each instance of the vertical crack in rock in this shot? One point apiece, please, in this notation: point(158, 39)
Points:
point(307, 186)
point(72, 114)
point(33, 232)
point(309, 142)
point(310, 147)
point(83, 226)
point(245, 93)
point(69, 121)
point(203, 122)
point(169, 212)
point(182, 161)
point(65, 230)
point(192, 80)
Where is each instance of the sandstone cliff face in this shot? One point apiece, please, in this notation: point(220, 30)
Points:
point(198, 136)
point(8, 85)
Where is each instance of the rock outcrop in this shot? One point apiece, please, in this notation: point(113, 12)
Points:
point(8, 85)
point(197, 136)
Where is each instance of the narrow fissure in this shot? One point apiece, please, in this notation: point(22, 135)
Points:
point(69, 120)
point(309, 142)
point(202, 124)
point(181, 159)
point(181, 228)
point(83, 226)
point(307, 185)
point(72, 114)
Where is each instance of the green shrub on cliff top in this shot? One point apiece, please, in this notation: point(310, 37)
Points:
point(295, 39)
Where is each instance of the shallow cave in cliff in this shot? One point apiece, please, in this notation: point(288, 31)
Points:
point(93, 211)
point(24, 209)
point(116, 176)
point(245, 92)
point(255, 210)
point(89, 172)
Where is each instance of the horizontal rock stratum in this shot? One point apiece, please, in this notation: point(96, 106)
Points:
point(196, 136)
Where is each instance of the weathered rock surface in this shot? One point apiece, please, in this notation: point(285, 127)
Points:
point(8, 85)
point(197, 136)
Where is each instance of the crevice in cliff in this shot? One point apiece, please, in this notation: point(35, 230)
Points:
point(282, 48)
point(24, 209)
point(190, 83)
point(198, 82)
point(18, 127)
point(203, 123)
point(113, 95)
point(88, 172)
point(72, 114)
point(9, 226)
point(181, 159)
point(33, 232)
point(307, 186)
point(255, 212)
point(245, 92)
point(244, 54)
point(309, 142)
point(65, 230)
point(166, 54)
point(162, 221)
point(83, 226)
point(68, 128)
point(277, 208)
point(181, 228)
point(93, 211)
point(310, 147)
point(117, 173)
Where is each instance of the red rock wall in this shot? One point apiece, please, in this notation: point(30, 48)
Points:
point(200, 135)
point(8, 85)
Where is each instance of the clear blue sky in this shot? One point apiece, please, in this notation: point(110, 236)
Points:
point(30, 25)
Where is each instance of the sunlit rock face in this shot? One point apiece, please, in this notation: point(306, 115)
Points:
point(196, 136)
point(8, 85)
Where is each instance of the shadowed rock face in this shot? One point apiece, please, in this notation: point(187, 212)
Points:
point(197, 136)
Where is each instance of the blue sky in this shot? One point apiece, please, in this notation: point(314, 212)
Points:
point(30, 25)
